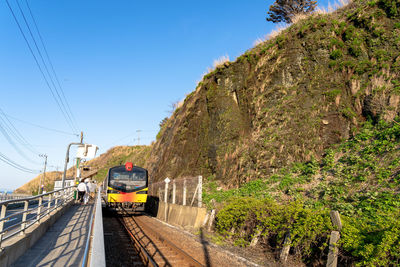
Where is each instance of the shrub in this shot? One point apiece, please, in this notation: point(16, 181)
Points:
point(308, 228)
point(335, 54)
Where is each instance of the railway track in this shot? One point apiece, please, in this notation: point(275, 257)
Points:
point(150, 246)
point(119, 249)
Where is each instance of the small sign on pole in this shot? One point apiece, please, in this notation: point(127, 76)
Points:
point(86, 151)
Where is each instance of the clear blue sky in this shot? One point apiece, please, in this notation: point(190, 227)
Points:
point(120, 63)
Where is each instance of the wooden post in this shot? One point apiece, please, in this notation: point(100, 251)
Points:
point(211, 221)
point(184, 192)
point(286, 248)
point(335, 236)
point(205, 219)
point(335, 218)
point(254, 241)
point(173, 192)
point(333, 250)
point(200, 192)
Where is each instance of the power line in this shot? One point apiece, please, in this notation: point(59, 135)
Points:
point(45, 65)
point(17, 135)
point(129, 135)
point(51, 65)
point(39, 126)
point(15, 165)
point(38, 65)
point(3, 130)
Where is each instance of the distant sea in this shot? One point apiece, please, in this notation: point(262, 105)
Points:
point(8, 191)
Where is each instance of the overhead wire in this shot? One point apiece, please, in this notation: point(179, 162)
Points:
point(45, 67)
point(5, 131)
point(39, 66)
point(39, 126)
point(51, 65)
point(15, 165)
point(16, 134)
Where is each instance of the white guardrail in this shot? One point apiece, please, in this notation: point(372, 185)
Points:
point(95, 239)
point(39, 206)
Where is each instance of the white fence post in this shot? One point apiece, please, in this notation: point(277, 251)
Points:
point(200, 192)
point(173, 192)
point(166, 180)
point(184, 192)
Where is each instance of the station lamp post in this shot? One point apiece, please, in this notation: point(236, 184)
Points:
point(84, 151)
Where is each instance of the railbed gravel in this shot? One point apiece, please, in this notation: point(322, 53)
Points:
point(199, 246)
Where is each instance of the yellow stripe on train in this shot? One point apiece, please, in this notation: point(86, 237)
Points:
point(127, 197)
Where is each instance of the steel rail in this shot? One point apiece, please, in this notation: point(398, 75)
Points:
point(143, 253)
point(193, 262)
point(168, 243)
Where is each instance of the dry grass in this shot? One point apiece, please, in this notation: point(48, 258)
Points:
point(299, 17)
point(216, 63)
point(259, 41)
point(220, 61)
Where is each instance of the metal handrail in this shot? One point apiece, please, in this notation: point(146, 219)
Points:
point(55, 199)
point(95, 240)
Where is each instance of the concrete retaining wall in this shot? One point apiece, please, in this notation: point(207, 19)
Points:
point(16, 246)
point(185, 216)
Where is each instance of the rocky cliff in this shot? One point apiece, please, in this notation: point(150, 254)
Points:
point(287, 99)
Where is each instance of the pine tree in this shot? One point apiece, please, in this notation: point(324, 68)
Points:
point(285, 10)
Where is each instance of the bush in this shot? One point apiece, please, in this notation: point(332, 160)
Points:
point(242, 217)
point(335, 54)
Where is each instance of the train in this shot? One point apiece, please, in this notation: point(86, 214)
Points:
point(126, 186)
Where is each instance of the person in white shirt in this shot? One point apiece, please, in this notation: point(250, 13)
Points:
point(82, 189)
point(86, 195)
point(92, 189)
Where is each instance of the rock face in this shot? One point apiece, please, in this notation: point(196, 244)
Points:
point(287, 99)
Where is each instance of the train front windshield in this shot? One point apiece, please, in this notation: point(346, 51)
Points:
point(127, 181)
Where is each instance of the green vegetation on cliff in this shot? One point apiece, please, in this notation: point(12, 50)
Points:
point(360, 178)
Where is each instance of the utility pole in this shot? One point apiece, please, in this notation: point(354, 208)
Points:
point(78, 161)
point(44, 173)
point(138, 140)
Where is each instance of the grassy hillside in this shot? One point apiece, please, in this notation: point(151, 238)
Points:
point(114, 156)
point(32, 186)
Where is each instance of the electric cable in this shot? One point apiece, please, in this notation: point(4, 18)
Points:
point(5, 133)
point(39, 126)
point(45, 65)
point(38, 65)
point(16, 134)
point(51, 64)
point(12, 163)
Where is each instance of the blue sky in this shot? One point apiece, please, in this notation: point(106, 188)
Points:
point(120, 64)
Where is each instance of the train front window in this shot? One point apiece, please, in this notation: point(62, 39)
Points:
point(124, 180)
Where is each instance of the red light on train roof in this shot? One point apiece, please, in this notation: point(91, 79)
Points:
point(128, 166)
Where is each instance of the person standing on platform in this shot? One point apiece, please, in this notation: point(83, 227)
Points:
point(86, 195)
point(92, 189)
point(82, 189)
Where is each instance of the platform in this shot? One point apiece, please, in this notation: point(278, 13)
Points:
point(64, 242)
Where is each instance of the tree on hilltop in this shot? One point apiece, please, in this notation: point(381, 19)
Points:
point(285, 10)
